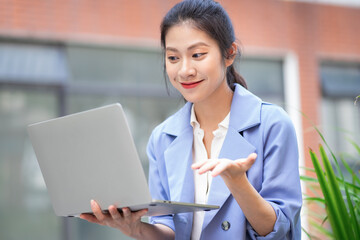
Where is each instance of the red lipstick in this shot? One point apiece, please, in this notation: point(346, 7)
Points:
point(190, 85)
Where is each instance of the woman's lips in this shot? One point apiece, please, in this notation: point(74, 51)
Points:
point(190, 85)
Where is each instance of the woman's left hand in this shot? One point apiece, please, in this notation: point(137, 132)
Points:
point(228, 169)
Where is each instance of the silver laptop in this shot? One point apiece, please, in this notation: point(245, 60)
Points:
point(91, 155)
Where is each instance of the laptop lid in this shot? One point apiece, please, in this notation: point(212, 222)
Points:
point(91, 155)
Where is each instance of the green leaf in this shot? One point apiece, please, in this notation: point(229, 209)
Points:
point(315, 199)
point(357, 147)
point(352, 188)
point(316, 215)
point(334, 214)
point(324, 220)
point(322, 230)
point(338, 209)
point(353, 217)
point(308, 169)
point(325, 189)
point(308, 179)
point(352, 173)
point(307, 234)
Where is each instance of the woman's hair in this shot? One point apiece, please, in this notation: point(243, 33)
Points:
point(210, 17)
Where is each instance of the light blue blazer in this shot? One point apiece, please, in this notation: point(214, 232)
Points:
point(254, 126)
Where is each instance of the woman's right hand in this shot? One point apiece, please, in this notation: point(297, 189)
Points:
point(127, 222)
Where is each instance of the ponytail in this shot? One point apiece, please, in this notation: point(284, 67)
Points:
point(233, 77)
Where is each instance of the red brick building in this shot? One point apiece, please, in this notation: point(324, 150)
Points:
point(305, 39)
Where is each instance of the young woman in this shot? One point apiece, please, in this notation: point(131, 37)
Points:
point(224, 147)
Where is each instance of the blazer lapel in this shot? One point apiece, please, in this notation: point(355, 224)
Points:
point(178, 167)
point(234, 147)
point(178, 158)
point(244, 114)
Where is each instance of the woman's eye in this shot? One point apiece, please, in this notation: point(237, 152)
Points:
point(172, 58)
point(198, 55)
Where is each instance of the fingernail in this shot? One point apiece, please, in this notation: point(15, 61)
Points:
point(92, 202)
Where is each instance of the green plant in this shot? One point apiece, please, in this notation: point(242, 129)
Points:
point(340, 198)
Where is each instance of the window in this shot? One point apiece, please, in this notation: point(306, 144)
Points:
point(32, 63)
point(264, 78)
point(340, 116)
point(24, 203)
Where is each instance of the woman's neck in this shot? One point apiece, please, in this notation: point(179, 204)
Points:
point(211, 112)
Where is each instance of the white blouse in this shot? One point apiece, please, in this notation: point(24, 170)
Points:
point(203, 182)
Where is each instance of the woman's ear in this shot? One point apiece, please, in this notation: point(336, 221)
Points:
point(231, 54)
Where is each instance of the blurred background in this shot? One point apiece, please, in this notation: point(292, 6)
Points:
point(59, 57)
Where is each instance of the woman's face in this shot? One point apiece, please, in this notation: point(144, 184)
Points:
point(194, 64)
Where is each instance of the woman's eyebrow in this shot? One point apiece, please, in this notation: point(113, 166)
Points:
point(199, 44)
point(171, 49)
point(195, 45)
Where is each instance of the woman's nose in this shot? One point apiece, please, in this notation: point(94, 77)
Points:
point(187, 69)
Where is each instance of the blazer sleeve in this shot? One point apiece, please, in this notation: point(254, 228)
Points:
point(156, 179)
point(281, 180)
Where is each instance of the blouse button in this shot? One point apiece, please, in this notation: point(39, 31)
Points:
point(225, 225)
